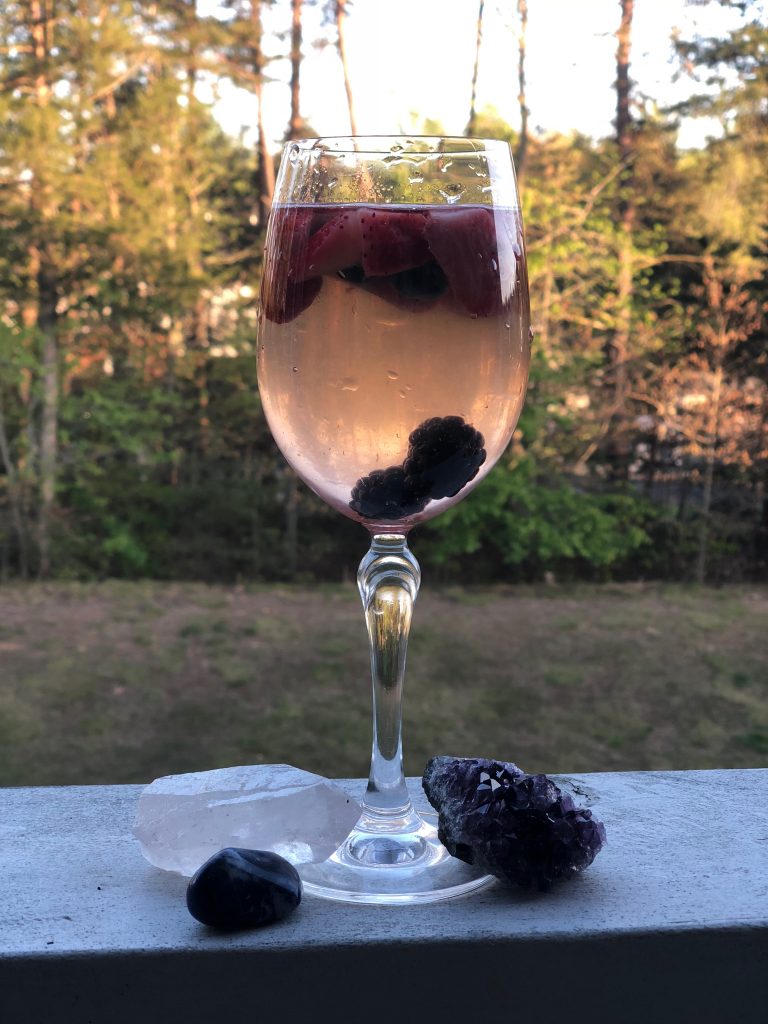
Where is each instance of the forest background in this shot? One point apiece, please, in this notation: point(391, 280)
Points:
point(132, 442)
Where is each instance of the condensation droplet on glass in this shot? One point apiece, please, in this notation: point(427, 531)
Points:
point(349, 384)
point(397, 148)
point(332, 183)
point(494, 265)
point(530, 335)
point(508, 326)
point(451, 193)
point(393, 374)
point(402, 392)
point(295, 369)
point(293, 154)
point(415, 179)
point(409, 387)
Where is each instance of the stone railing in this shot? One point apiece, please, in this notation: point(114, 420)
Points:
point(669, 926)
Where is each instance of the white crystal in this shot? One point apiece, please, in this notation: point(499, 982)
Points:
point(182, 820)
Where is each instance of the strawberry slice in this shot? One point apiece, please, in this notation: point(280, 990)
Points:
point(392, 241)
point(333, 246)
point(288, 299)
point(463, 241)
point(283, 296)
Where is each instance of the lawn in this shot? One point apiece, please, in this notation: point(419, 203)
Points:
point(122, 682)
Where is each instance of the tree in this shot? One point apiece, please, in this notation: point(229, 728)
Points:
point(618, 346)
point(295, 124)
point(471, 128)
point(521, 152)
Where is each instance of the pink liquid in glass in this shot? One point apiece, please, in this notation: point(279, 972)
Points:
point(393, 352)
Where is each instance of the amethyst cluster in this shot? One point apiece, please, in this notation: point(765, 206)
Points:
point(521, 828)
point(444, 454)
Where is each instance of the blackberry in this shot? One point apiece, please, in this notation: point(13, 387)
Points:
point(521, 828)
point(385, 494)
point(444, 454)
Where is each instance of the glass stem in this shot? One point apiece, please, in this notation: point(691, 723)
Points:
point(388, 579)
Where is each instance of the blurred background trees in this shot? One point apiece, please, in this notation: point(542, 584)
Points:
point(131, 437)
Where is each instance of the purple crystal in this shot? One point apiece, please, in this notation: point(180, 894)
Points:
point(519, 827)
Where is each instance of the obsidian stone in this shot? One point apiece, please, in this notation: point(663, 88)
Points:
point(243, 889)
point(521, 828)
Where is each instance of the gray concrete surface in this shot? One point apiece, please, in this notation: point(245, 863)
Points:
point(670, 924)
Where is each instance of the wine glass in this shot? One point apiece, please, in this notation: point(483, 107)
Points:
point(393, 358)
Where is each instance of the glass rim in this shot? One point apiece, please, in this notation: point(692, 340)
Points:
point(382, 145)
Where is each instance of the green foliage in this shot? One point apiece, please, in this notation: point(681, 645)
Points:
point(532, 525)
point(130, 241)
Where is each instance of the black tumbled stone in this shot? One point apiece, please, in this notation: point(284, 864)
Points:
point(243, 889)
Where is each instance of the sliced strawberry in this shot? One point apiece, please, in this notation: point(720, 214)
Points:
point(393, 240)
point(282, 295)
point(333, 246)
point(463, 241)
point(288, 299)
point(292, 226)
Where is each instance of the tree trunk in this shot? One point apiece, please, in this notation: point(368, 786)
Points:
point(14, 495)
point(618, 350)
point(295, 124)
point(291, 524)
point(522, 142)
point(341, 45)
point(265, 169)
point(472, 123)
point(713, 431)
point(50, 416)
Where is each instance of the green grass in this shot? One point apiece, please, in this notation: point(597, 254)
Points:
point(121, 682)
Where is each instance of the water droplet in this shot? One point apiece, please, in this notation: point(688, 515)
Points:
point(392, 374)
point(451, 193)
point(402, 393)
point(349, 384)
point(409, 387)
point(530, 335)
point(508, 326)
point(416, 179)
point(295, 369)
point(494, 265)
point(332, 183)
point(397, 148)
point(487, 188)
point(293, 154)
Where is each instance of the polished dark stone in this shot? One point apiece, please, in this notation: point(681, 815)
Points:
point(243, 889)
point(521, 828)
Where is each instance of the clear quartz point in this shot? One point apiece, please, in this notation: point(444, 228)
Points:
point(182, 820)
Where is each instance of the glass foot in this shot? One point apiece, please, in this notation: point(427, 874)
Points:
point(409, 865)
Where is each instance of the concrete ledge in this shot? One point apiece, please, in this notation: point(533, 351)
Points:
point(669, 925)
